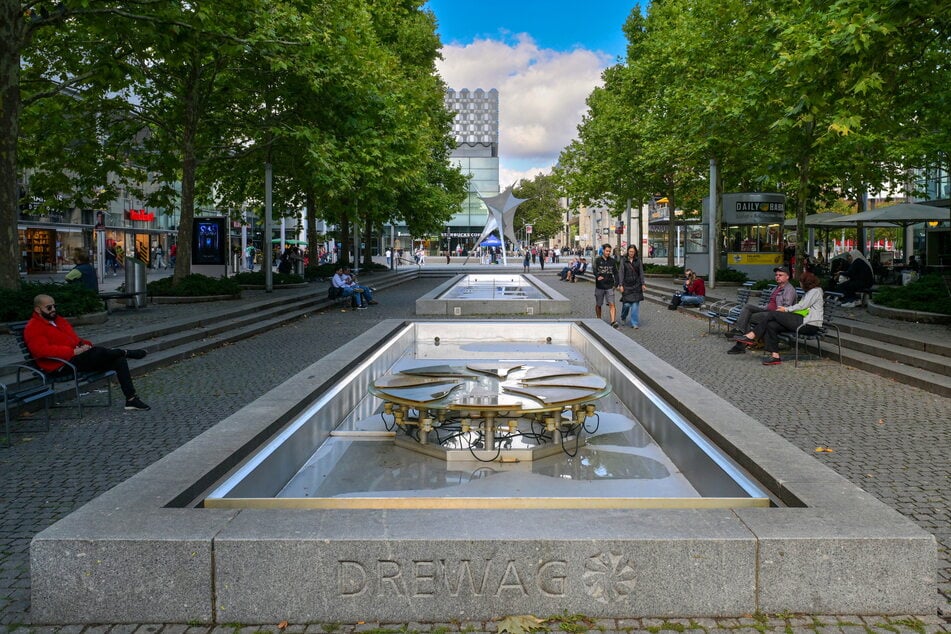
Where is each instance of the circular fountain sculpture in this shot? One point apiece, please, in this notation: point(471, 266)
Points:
point(490, 411)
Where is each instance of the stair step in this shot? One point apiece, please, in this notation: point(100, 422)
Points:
point(887, 335)
point(892, 352)
point(924, 379)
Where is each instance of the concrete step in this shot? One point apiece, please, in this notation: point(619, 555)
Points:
point(921, 378)
point(898, 352)
point(198, 342)
point(906, 340)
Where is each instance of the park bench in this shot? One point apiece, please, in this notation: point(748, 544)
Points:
point(72, 377)
point(24, 386)
point(803, 334)
point(108, 296)
point(725, 312)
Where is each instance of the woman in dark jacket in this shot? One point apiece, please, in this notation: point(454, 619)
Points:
point(632, 287)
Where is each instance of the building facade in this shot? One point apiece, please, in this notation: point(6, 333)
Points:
point(476, 130)
point(47, 240)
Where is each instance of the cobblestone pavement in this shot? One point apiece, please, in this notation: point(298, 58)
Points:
point(889, 438)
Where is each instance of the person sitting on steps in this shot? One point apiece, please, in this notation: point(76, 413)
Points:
point(693, 293)
point(857, 278)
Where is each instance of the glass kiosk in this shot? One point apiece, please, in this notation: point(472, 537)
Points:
point(751, 235)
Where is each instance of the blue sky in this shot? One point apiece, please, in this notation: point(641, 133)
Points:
point(557, 24)
point(543, 57)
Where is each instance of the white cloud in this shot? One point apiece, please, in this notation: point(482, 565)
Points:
point(511, 176)
point(542, 92)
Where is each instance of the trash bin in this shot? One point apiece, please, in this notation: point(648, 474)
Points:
point(135, 282)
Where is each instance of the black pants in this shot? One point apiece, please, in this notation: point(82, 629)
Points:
point(99, 359)
point(850, 290)
point(768, 326)
point(747, 316)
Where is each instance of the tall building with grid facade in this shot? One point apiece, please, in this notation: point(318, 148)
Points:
point(476, 130)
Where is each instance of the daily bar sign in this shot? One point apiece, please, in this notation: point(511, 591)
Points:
point(753, 209)
point(140, 214)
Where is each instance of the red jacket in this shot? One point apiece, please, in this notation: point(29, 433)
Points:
point(696, 287)
point(46, 340)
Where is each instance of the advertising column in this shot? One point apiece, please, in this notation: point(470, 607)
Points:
point(209, 242)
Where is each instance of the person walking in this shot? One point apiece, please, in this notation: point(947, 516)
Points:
point(111, 261)
point(526, 261)
point(632, 287)
point(606, 277)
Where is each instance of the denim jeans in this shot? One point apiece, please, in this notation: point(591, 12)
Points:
point(632, 308)
point(691, 300)
point(348, 292)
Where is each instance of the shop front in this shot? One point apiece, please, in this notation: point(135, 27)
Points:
point(48, 247)
point(751, 235)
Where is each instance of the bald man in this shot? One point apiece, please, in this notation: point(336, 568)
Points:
point(47, 335)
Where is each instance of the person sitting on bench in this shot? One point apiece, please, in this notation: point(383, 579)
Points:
point(83, 272)
point(49, 335)
point(807, 313)
point(574, 273)
point(363, 295)
point(783, 295)
point(566, 271)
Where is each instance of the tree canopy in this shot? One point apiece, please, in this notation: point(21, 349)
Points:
point(192, 99)
point(813, 99)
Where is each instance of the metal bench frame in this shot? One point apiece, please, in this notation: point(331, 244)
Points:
point(75, 378)
point(30, 386)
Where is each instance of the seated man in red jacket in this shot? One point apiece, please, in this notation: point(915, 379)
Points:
point(49, 335)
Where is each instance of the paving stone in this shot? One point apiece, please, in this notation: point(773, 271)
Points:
point(627, 624)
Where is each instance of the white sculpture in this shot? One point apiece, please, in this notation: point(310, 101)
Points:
point(501, 216)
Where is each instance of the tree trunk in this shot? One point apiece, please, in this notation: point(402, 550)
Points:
point(11, 37)
point(368, 248)
point(310, 210)
point(344, 224)
point(802, 203)
point(183, 258)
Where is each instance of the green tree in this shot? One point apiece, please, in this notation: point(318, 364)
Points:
point(541, 209)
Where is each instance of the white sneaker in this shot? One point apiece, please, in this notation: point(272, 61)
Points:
point(849, 305)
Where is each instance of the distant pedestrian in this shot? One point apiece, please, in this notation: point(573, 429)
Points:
point(111, 260)
point(526, 261)
point(632, 287)
point(83, 272)
point(606, 276)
